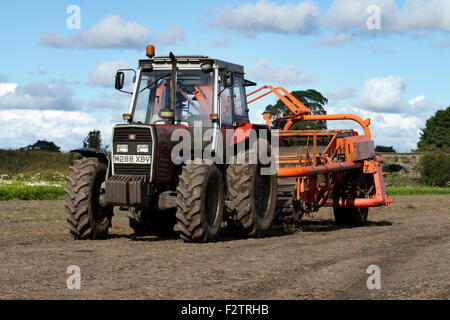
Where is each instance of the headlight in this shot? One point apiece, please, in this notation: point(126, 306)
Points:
point(142, 148)
point(122, 148)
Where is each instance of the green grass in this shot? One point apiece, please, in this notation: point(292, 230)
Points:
point(21, 191)
point(394, 191)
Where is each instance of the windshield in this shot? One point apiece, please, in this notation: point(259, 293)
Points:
point(193, 98)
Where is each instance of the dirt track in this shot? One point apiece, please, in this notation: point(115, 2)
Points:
point(409, 241)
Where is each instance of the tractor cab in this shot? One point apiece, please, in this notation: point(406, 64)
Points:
point(208, 92)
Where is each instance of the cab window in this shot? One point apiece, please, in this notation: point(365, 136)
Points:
point(225, 105)
point(240, 101)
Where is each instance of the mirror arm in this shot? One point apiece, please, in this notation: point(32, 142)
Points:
point(125, 91)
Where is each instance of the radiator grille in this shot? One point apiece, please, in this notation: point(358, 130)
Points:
point(142, 136)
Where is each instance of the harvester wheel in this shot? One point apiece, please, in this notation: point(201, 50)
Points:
point(199, 203)
point(351, 216)
point(86, 218)
point(148, 223)
point(251, 199)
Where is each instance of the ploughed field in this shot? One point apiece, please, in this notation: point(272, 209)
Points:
point(409, 241)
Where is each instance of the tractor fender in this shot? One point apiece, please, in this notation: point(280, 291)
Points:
point(95, 153)
point(245, 133)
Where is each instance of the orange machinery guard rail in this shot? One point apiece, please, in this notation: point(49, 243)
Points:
point(301, 112)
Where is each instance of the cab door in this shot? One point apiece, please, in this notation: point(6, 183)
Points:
point(240, 110)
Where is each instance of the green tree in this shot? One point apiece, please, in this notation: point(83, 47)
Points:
point(436, 131)
point(94, 140)
point(384, 149)
point(435, 168)
point(43, 145)
point(312, 99)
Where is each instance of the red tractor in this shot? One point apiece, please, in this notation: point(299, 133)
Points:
point(182, 97)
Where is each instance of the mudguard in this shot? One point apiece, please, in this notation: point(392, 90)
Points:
point(94, 153)
point(91, 152)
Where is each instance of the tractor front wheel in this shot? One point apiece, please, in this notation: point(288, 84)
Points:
point(199, 203)
point(86, 218)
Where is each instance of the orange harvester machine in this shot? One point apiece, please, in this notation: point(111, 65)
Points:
point(308, 179)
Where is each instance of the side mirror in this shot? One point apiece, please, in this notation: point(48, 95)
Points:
point(120, 78)
point(227, 79)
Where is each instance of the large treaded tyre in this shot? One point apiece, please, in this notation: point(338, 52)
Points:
point(351, 216)
point(251, 200)
point(86, 219)
point(199, 203)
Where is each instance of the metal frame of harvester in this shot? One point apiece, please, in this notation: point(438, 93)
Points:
point(317, 179)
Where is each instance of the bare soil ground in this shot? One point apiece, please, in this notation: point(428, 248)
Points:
point(409, 241)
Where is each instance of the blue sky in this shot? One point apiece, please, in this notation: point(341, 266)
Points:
point(57, 84)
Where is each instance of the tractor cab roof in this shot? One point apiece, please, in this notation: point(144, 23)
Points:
point(187, 62)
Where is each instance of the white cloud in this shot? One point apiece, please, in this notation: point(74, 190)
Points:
point(39, 95)
point(112, 31)
point(51, 39)
point(343, 22)
point(415, 15)
point(66, 128)
point(388, 95)
point(399, 130)
point(7, 88)
point(383, 94)
point(104, 74)
point(395, 121)
point(252, 18)
point(290, 74)
point(420, 105)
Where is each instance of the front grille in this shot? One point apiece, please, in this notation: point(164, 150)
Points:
point(143, 136)
point(134, 169)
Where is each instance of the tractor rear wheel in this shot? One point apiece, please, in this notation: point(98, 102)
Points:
point(86, 218)
point(199, 203)
point(251, 199)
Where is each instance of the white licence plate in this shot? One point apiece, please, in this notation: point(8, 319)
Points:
point(132, 159)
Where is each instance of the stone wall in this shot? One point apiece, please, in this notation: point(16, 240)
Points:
point(404, 163)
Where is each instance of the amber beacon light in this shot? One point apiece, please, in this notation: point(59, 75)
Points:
point(150, 51)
